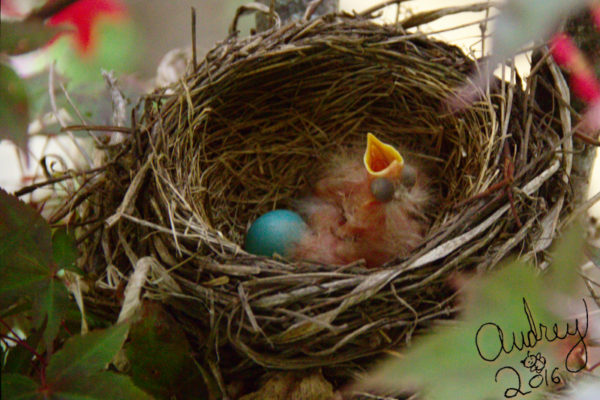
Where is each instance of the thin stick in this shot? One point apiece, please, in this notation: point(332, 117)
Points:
point(380, 6)
point(310, 9)
point(38, 185)
point(68, 97)
point(104, 128)
point(194, 58)
point(62, 123)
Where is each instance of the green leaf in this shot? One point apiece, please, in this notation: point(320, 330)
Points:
point(64, 250)
point(29, 261)
point(114, 49)
point(160, 357)
point(101, 386)
point(18, 37)
point(568, 255)
point(51, 304)
point(466, 360)
point(83, 356)
point(14, 107)
point(19, 387)
point(25, 250)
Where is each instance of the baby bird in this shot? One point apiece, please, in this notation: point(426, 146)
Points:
point(371, 209)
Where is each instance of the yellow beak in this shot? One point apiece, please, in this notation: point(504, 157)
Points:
point(382, 160)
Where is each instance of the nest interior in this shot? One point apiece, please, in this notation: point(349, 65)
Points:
point(245, 133)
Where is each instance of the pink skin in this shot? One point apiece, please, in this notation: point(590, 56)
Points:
point(348, 224)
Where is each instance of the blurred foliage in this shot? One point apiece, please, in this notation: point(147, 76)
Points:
point(77, 372)
point(14, 107)
point(525, 21)
point(114, 45)
point(33, 258)
point(504, 343)
point(30, 258)
point(172, 375)
point(80, 39)
point(32, 261)
point(19, 37)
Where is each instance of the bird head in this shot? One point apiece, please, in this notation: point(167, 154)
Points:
point(385, 169)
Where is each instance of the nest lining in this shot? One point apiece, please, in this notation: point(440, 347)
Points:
point(245, 133)
point(275, 119)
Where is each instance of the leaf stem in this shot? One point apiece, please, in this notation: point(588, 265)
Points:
point(20, 342)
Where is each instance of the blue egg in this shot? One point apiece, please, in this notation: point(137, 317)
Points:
point(275, 232)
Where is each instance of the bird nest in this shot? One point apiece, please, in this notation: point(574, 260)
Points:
point(245, 133)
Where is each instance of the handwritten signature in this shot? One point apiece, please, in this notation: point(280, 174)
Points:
point(537, 332)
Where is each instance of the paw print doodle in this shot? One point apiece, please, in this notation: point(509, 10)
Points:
point(540, 363)
point(534, 362)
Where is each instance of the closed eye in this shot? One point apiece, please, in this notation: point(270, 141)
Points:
point(382, 189)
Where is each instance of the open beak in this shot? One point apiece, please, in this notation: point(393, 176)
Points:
point(382, 160)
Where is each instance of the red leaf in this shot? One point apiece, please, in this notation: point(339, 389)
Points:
point(83, 15)
point(583, 81)
point(563, 49)
point(585, 86)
